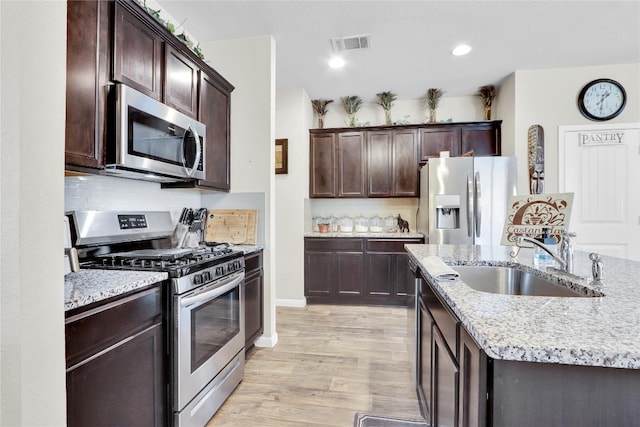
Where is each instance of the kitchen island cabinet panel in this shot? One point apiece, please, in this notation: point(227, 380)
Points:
point(116, 361)
point(137, 54)
point(444, 389)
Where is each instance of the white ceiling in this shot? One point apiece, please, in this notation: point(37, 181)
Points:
point(411, 40)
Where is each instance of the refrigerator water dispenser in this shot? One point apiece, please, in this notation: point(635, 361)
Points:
point(447, 211)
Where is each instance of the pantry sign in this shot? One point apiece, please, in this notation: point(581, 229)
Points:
point(530, 214)
point(610, 137)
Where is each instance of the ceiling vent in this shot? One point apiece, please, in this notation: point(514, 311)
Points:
point(351, 42)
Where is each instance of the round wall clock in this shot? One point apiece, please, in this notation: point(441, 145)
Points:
point(602, 99)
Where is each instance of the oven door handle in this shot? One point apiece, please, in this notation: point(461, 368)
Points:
point(224, 286)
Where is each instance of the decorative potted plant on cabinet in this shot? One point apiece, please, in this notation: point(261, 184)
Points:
point(320, 107)
point(433, 99)
point(351, 105)
point(386, 100)
point(487, 93)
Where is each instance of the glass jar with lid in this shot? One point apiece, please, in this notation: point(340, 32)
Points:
point(346, 224)
point(324, 224)
point(362, 224)
point(375, 224)
point(314, 223)
point(333, 223)
point(390, 224)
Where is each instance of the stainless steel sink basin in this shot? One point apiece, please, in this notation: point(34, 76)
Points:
point(511, 281)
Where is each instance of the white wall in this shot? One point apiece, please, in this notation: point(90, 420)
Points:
point(249, 64)
point(456, 108)
point(549, 98)
point(32, 115)
point(294, 117)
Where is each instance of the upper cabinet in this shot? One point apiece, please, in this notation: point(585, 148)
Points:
point(137, 53)
point(483, 138)
point(117, 41)
point(388, 158)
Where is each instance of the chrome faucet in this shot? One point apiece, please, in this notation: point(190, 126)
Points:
point(565, 260)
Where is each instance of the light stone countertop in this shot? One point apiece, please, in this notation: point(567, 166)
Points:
point(412, 235)
point(591, 331)
point(92, 285)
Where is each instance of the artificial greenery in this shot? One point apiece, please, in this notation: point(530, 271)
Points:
point(351, 105)
point(320, 107)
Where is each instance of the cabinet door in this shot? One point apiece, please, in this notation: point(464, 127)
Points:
point(483, 140)
point(423, 366)
point(380, 274)
point(404, 282)
point(473, 383)
point(87, 75)
point(214, 112)
point(124, 386)
point(444, 383)
point(379, 164)
point(349, 273)
point(405, 163)
point(351, 165)
point(137, 54)
point(319, 273)
point(437, 139)
point(322, 179)
point(253, 308)
point(180, 82)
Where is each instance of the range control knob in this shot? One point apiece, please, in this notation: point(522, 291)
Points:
point(206, 276)
point(197, 279)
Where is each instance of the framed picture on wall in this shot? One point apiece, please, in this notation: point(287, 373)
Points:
point(281, 156)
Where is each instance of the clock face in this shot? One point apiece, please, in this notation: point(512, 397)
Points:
point(602, 99)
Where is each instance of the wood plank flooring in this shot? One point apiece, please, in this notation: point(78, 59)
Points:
point(330, 362)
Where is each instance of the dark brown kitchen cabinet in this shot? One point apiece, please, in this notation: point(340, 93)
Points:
point(137, 53)
point(115, 362)
point(180, 82)
point(483, 138)
point(387, 268)
point(392, 165)
point(253, 298)
point(118, 41)
point(350, 163)
point(322, 160)
point(86, 98)
point(333, 270)
point(460, 385)
point(356, 270)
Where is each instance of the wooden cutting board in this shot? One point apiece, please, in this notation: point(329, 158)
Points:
point(237, 226)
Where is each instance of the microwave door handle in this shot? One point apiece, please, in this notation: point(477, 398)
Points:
point(191, 170)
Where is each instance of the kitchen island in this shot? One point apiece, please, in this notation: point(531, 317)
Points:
point(528, 360)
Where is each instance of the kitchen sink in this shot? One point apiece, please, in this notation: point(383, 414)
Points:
point(513, 281)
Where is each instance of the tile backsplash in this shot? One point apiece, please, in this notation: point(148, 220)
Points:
point(111, 193)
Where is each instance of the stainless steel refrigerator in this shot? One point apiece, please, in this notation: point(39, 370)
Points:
point(464, 200)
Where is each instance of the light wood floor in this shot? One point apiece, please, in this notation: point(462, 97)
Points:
point(330, 362)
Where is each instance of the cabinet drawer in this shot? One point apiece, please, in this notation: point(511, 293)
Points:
point(333, 244)
point(389, 245)
point(96, 329)
point(252, 262)
point(446, 321)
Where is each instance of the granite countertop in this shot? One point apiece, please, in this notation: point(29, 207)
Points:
point(87, 286)
point(412, 235)
point(248, 249)
point(591, 331)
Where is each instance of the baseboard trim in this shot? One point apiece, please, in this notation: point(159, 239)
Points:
point(297, 303)
point(265, 341)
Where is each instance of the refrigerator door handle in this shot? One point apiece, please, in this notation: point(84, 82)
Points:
point(470, 205)
point(478, 206)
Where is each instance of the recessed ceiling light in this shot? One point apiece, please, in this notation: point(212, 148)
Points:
point(461, 49)
point(336, 62)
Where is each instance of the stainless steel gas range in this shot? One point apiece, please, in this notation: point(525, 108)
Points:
point(204, 302)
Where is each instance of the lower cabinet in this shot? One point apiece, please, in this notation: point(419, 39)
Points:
point(116, 363)
point(458, 385)
point(253, 298)
point(356, 270)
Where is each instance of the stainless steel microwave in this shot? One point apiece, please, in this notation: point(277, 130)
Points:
point(152, 141)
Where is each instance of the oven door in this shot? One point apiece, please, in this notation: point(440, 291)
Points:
point(208, 334)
